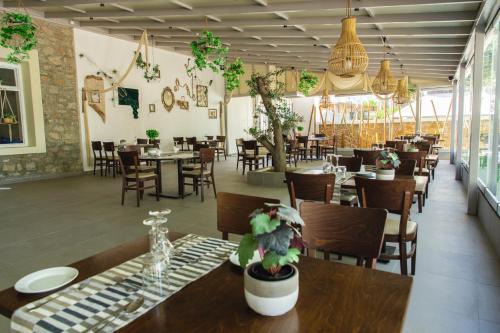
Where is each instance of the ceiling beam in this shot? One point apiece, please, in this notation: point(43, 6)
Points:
point(238, 9)
point(315, 20)
point(55, 3)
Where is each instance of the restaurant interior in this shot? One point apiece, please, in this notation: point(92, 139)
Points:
point(249, 166)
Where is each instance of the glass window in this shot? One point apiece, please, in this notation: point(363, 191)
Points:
point(11, 105)
point(490, 58)
point(436, 113)
point(467, 114)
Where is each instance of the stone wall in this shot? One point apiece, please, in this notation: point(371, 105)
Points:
point(62, 130)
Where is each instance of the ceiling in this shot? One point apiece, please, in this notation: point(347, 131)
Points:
point(426, 37)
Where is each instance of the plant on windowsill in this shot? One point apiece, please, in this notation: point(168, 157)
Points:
point(18, 34)
point(272, 284)
point(306, 82)
point(386, 163)
point(9, 119)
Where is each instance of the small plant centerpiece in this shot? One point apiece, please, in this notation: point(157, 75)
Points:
point(17, 33)
point(272, 285)
point(209, 52)
point(307, 81)
point(299, 130)
point(387, 162)
point(153, 134)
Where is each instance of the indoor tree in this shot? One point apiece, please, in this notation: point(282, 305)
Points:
point(280, 118)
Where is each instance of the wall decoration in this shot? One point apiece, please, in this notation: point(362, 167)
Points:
point(92, 94)
point(17, 33)
point(201, 95)
point(152, 108)
point(306, 82)
point(168, 99)
point(212, 113)
point(183, 104)
point(129, 96)
point(151, 72)
point(190, 92)
point(95, 96)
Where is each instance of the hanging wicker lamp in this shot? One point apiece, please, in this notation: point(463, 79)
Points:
point(325, 103)
point(348, 56)
point(384, 83)
point(402, 95)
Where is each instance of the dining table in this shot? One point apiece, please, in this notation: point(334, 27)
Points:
point(179, 158)
point(317, 140)
point(333, 297)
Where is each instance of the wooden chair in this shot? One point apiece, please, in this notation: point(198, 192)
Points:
point(239, 152)
point(204, 175)
point(112, 161)
point(292, 154)
point(352, 164)
point(99, 160)
point(422, 187)
point(209, 137)
point(142, 141)
point(369, 156)
point(179, 140)
point(419, 156)
point(396, 196)
point(406, 168)
point(356, 232)
point(133, 179)
point(329, 146)
point(304, 147)
point(155, 142)
point(251, 156)
point(193, 165)
point(310, 187)
point(233, 212)
point(142, 166)
point(220, 148)
point(190, 142)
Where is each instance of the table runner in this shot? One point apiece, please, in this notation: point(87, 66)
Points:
point(72, 310)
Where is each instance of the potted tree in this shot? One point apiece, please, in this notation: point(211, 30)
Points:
point(387, 162)
point(272, 285)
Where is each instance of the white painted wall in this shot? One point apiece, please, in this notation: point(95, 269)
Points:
point(110, 53)
point(303, 106)
point(239, 119)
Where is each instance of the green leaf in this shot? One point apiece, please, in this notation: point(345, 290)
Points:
point(262, 223)
point(248, 245)
point(277, 241)
point(271, 259)
point(291, 256)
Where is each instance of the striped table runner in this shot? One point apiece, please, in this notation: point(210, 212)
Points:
point(73, 310)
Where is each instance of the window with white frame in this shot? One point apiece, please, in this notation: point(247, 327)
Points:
point(12, 112)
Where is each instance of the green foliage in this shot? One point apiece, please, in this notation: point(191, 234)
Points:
point(388, 160)
point(232, 74)
point(262, 223)
point(300, 128)
point(17, 33)
point(150, 74)
point(274, 89)
point(277, 240)
point(306, 82)
point(152, 134)
point(248, 245)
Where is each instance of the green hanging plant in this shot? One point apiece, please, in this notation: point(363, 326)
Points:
point(17, 33)
point(209, 52)
point(306, 82)
point(152, 75)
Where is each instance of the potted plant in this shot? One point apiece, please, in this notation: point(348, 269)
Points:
point(272, 285)
point(299, 130)
point(307, 81)
point(8, 119)
point(152, 134)
point(387, 162)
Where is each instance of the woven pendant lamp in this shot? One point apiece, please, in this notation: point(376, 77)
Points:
point(325, 103)
point(348, 56)
point(384, 83)
point(402, 95)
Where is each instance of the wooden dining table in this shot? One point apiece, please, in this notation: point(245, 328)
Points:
point(333, 297)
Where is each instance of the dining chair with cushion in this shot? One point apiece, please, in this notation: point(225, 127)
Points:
point(251, 156)
point(304, 147)
point(142, 166)
point(142, 141)
point(133, 179)
point(311, 187)
point(204, 175)
point(220, 148)
point(351, 231)
point(209, 137)
point(190, 142)
point(292, 154)
point(406, 167)
point(194, 165)
point(179, 140)
point(396, 196)
point(419, 156)
point(99, 160)
point(239, 152)
point(155, 142)
point(112, 161)
point(369, 157)
point(233, 212)
point(420, 174)
point(329, 146)
point(352, 164)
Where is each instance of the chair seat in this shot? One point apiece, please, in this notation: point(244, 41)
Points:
point(194, 173)
point(111, 158)
point(191, 166)
point(392, 226)
point(421, 183)
point(424, 170)
point(348, 197)
point(255, 157)
point(142, 176)
point(143, 168)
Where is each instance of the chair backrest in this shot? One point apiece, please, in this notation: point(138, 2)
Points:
point(191, 140)
point(345, 230)
point(391, 144)
point(418, 156)
point(155, 142)
point(133, 147)
point(178, 140)
point(233, 212)
point(310, 187)
point(320, 135)
point(142, 141)
point(352, 164)
point(303, 140)
point(431, 138)
point(198, 146)
point(97, 149)
point(239, 146)
point(128, 159)
point(209, 137)
point(221, 138)
point(207, 157)
point(109, 149)
point(292, 146)
point(406, 168)
point(369, 156)
point(423, 146)
point(249, 147)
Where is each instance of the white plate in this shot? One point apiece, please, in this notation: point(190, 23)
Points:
point(366, 174)
point(46, 280)
point(235, 260)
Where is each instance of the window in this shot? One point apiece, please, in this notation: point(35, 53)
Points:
point(436, 113)
point(12, 116)
point(467, 114)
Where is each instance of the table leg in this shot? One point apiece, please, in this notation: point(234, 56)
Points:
point(158, 172)
point(317, 150)
point(180, 181)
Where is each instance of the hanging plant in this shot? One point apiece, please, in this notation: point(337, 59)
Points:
point(307, 81)
point(17, 33)
point(152, 75)
point(209, 52)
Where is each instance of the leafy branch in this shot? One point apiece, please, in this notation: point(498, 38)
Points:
point(17, 33)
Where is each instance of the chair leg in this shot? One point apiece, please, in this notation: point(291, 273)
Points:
point(114, 169)
point(414, 258)
point(157, 188)
point(95, 165)
point(142, 190)
point(138, 194)
point(419, 196)
point(100, 167)
point(213, 185)
point(402, 260)
point(202, 188)
point(237, 161)
point(244, 162)
point(123, 192)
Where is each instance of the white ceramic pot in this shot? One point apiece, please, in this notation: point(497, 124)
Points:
point(271, 298)
point(385, 174)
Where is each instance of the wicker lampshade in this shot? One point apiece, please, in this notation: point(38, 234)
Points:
point(384, 83)
point(325, 103)
point(402, 95)
point(348, 56)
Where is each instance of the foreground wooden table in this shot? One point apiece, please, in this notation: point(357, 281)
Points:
point(333, 297)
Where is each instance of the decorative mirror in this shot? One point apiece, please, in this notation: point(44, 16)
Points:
point(168, 99)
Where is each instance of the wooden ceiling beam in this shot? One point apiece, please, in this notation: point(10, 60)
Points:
point(56, 3)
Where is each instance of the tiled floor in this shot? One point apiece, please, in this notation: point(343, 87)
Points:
point(56, 222)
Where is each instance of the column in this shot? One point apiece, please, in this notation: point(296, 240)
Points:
point(492, 167)
point(418, 124)
point(460, 123)
point(453, 122)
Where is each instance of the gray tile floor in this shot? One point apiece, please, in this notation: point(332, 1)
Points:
point(56, 222)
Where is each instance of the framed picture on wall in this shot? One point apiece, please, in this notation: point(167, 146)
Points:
point(212, 113)
point(152, 107)
point(95, 97)
point(201, 95)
